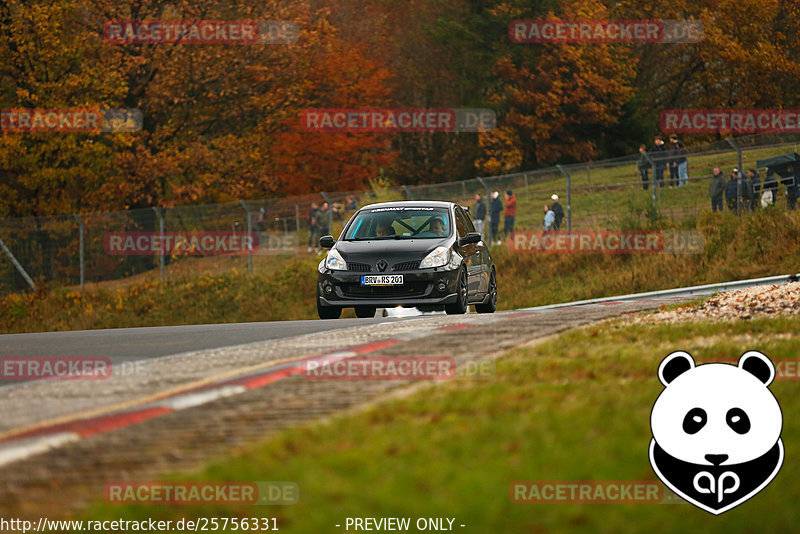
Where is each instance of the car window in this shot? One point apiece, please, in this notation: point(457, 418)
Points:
point(461, 222)
point(468, 220)
point(399, 222)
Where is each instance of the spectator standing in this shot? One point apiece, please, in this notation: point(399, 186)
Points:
point(480, 213)
point(745, 191)
point(558, 211)
point(494, 209)
point(313, 229)
point(324, 219)
point(643, 165)
point(511, 213)
point(261, 223)
point(716, 189)
point(672, 163)
point(732, 191)
point(770, 189)
point(754, 187)
point(679, 158)
point(660, 158)
point(549, 219)
point(352, 205)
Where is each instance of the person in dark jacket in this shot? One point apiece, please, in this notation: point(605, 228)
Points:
point(558, 211)
point(732, 191)
point(495, 208)
point(660, 157)
point(480, 214)
point(716, 189)
point(679, 159)
point(313, 227)
point(672, 163)
point(754, 186)
point(643, 165)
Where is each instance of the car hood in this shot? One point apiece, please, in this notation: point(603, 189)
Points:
point(390, 250)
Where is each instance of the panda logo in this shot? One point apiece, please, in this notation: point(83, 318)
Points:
point(716, 430)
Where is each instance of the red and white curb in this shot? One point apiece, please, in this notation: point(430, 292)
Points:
point(42, 438)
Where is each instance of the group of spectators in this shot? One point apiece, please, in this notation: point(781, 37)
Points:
point(496, 206)
point(554, 214)
point(660, 158)
point(749, 193)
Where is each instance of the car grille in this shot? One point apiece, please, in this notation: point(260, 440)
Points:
point(360, 267)
point(406, 266)
point(411, 289)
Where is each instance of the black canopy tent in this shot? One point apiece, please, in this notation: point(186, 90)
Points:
point(780, 164)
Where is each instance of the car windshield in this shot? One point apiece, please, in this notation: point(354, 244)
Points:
point(399, 223)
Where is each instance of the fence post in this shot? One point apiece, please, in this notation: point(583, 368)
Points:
point(80, 245)
point(249, 232)
point(161, 239)
point(297, 217)
point(17, 265)
point(488, 202)
point(409, 194)
point(569, 197)
point(589, 175)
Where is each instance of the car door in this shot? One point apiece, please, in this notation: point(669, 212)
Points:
point(471, 254)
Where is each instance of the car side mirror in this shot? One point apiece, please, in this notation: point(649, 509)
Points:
point(469, 239)
point(326, 241)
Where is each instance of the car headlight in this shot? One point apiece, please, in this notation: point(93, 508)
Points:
point(334, 261)
point(438, 257)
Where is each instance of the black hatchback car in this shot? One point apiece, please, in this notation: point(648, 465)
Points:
point(425, 255)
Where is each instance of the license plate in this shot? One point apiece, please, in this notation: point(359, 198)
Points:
point(382, 280)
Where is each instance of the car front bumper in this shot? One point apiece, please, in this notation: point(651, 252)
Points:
point(424, 287)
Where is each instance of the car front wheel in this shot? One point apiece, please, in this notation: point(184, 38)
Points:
point(365, 311)
point(328, 312)
point(460, 306)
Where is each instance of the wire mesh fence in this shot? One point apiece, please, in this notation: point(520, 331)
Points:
point(79, 249)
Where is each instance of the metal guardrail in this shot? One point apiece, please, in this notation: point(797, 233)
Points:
point(707, 289)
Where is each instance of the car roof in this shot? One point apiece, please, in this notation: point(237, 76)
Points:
point(411, 204)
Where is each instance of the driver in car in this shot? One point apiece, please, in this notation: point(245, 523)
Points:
point(384, 229)
point(437, 226)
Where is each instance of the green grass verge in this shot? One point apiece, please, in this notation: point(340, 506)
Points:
point(573, 408)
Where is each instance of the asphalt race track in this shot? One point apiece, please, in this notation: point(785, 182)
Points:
point(196, 392)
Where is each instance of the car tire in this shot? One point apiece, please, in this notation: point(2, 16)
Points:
point(327, 312)
point(491, 303)
point(363, 312)
point(460, 306)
